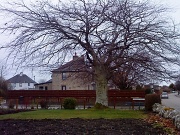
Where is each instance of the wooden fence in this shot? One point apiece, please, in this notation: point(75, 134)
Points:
point(84, 97)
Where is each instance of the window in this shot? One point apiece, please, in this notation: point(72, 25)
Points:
point(28, 84)
point(13, 84)
point(63, 76)
point(93, 86)
point(20, 84)
point(63, 87)
point(41, 87)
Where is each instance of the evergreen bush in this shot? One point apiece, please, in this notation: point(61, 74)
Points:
point(150, 100)
point(148, 91)
point(69, 103)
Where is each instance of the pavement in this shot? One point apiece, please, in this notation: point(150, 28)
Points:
point(177, 96)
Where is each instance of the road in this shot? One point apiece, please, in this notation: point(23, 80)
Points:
point(173, 101)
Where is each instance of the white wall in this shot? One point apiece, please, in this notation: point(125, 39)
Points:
point(22, 86)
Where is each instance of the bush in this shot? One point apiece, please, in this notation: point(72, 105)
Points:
point(44, 104)
point(148, 91)
point(100, 106)
point(11, 105)
point(32, 107)
point(69, 103)
point(150, 100)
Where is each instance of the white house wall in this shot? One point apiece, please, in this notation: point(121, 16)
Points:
point(23, 87)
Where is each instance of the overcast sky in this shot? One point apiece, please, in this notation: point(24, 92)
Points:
point(175, 14)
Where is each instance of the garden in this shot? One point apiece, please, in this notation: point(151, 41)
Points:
point(90, 121)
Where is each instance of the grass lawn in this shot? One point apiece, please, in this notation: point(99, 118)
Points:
point(85, 114)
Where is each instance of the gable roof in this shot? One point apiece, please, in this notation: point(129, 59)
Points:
point(21, 78)
point(77, 64)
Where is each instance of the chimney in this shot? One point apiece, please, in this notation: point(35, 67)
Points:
point(75, 57)
point(21, 74)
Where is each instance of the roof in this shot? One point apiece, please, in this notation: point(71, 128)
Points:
point(21, 78)
point(77, 64)
point(49, 81)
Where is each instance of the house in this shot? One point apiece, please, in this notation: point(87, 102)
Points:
point(165, 89)
point(21, 82)
point(152, 86)
point(72, 76)
point(44, 86)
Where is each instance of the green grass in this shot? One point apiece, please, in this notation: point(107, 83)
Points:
point(85, 114)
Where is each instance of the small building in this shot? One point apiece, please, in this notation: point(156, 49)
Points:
point(44, 86)
point(21, 82)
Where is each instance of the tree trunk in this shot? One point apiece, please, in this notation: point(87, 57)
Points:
point(101, 86)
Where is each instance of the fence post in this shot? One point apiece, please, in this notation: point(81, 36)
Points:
point(16, 103)
point(61, 102)
point(132, 104)
point(84, 104)
point(37, 104)
point(26, 102)
point(114, 101)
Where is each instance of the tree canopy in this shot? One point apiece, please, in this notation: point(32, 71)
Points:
point(113, 35)
point(172, 86)
point(177, 85)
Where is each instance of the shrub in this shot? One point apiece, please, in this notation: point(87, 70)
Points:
point(69, 103)
point(44, 104)
point(11, 105)
point(100, 106)
point(148, 91)
point(168, 108)
point(150, 100)
point(32, 107)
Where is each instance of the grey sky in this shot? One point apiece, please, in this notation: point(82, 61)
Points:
point(174, 5)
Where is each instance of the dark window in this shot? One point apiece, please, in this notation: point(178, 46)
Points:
point(46, 88)
point(41, 87)
point(63, 87)
point(13, 85)
point(28, 84)
point(64, 76)
point(20, 84)
point(93, 86)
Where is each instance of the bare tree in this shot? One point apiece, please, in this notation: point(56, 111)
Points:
point(177, 86)
point(3, 87)
point(110, 33)
point(3, 69)
point(172, 86)
point(135, 71)
point(127, 77)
